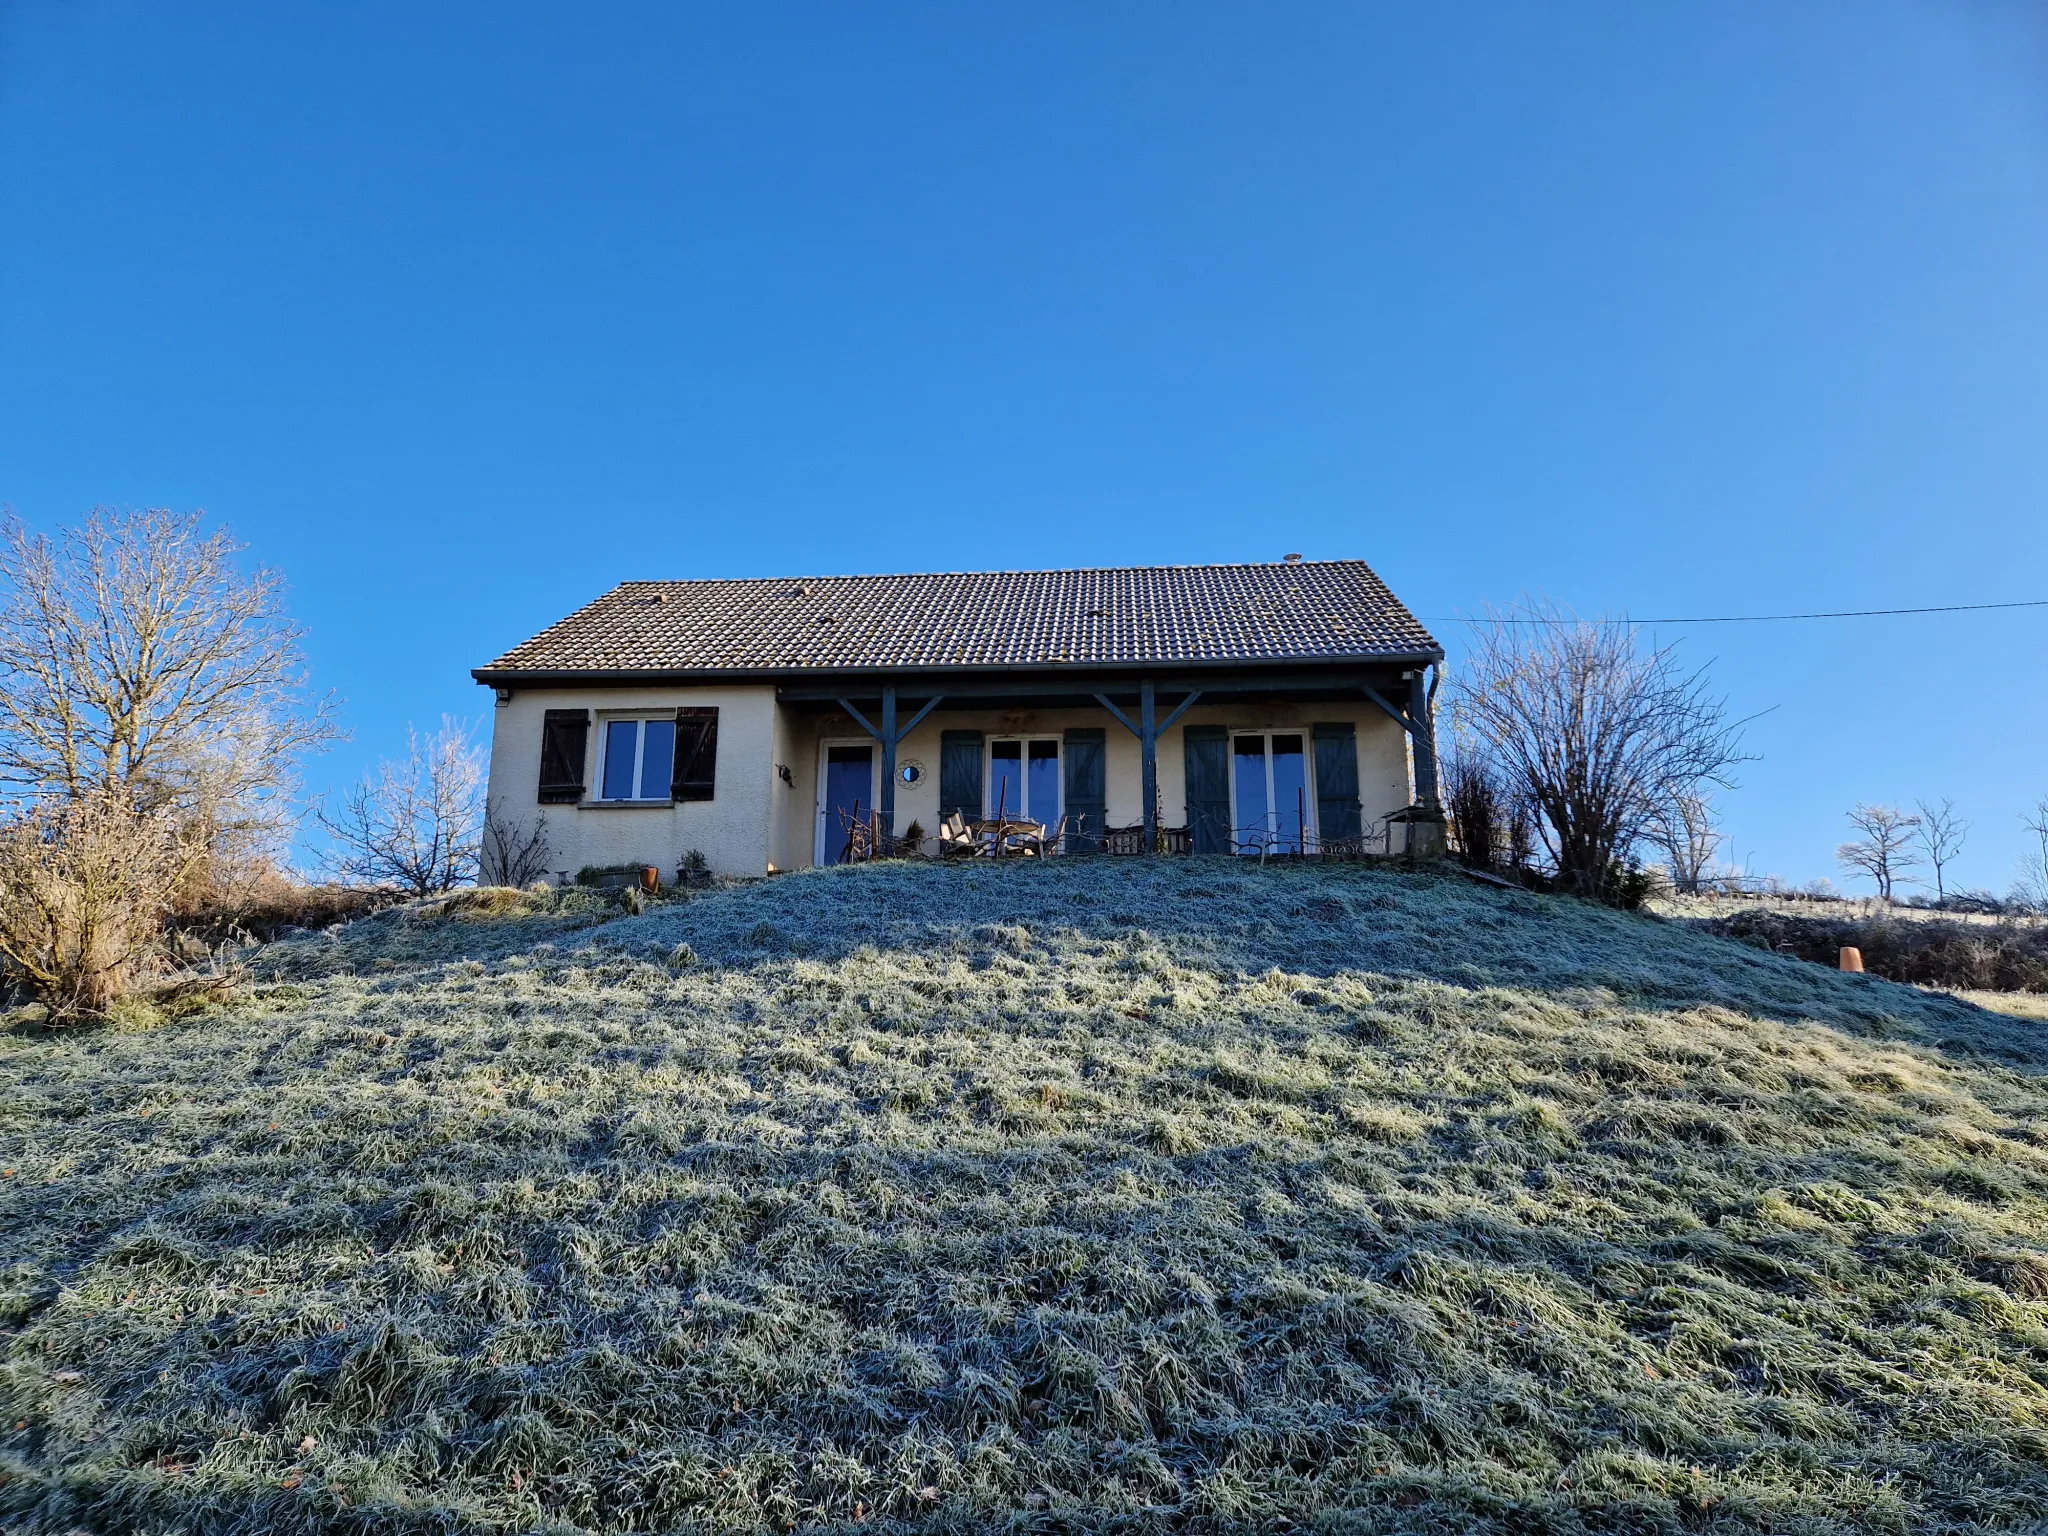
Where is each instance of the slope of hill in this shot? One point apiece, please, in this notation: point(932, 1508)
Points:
point(1080, 1198)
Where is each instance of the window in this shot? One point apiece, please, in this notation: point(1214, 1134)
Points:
point(1273, 810)
point(639, 759)
point(1024, 779)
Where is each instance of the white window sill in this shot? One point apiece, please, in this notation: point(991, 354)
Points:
point(624, 805)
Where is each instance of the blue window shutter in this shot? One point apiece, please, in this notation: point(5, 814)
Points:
point(1207, 749)
point(960, 774)
point(1087, 790)
point(1337, 810)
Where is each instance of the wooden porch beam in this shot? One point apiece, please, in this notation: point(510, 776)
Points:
point(1400, 717)
point(917, 719)
point(1343, 681)
point(1148, 729)
point(890, 734)
point(1178, 710)
point(1122, 719)
point(1415, 721)
point(859, 719)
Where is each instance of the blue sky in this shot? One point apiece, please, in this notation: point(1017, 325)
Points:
point(459, 316)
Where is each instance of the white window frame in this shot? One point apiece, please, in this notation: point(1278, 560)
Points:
point(825, 746)
point(605, 722)
point(1309, 831)
point(988, 772)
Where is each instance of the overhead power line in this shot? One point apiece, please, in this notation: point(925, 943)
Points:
point(1751, 618)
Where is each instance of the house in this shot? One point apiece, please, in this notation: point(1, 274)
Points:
point(1210, 709)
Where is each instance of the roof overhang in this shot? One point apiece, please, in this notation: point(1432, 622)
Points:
point(1250, 674)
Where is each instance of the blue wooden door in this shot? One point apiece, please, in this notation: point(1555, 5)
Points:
point(849, 793)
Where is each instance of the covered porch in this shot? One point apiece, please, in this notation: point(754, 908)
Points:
point(1288, 761)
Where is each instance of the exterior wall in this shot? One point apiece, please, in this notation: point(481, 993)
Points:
point(794, 802)
point(734, 829)
point(1383, 765)
point(756, 823)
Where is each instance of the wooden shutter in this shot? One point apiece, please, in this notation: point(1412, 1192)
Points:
point(1207, 748)
point(960, 774)
point(564, 741)
point(1087, 790)
point(1337, 811)
point(696, 770)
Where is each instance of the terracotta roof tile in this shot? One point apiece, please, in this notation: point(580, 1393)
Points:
point(1302, 611)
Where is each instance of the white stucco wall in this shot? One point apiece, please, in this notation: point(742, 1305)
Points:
point(793, 802)
point(734, 829)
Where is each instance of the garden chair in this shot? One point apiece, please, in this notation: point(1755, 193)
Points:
point(955, 836)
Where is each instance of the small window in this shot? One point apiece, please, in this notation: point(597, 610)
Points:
point(1274, 811)
point(639, 757)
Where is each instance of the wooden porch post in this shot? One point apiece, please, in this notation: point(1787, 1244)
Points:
point(1147, 728)
point(1148, 757)
point(1423, 734)
point(887, 798)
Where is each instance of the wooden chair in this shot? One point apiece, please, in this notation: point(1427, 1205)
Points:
point(956, 838)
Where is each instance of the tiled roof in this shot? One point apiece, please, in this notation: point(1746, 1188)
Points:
point(1330, 610)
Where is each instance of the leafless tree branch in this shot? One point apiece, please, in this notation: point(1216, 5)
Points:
point(1885, 850)
point(514, 852)
point(1942, 833)
point(1595, 729)
point(1683, 828)
point(414, 823)
point(135, 657)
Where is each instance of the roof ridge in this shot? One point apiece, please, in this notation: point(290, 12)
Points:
point(1054, 570)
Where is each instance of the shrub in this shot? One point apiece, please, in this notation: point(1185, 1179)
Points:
point(85, 885)
point(484, 903)
point(1992, 957)
point(1489, 827)
point(514, 853)
point(418, 823)
point(263, 903)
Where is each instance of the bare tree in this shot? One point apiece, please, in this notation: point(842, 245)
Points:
point(1885, 850)
point(85, 882)
point(2033, 881)
point(1942, 833)
point(414, 823)
point(136, 658)
point(1684, 829)
point(514, 852)
point(1594, 729)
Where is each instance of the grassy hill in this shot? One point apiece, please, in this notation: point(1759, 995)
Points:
point(1068, 1198)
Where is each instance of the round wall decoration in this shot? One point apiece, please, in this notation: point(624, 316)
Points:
point(910, 771)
